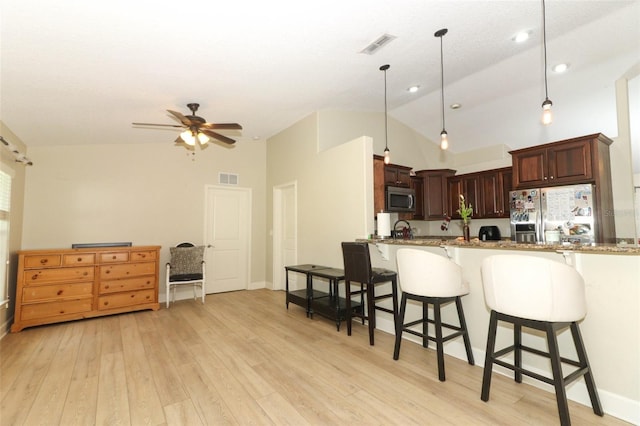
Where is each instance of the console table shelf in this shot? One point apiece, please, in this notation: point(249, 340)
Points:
point(328, 304)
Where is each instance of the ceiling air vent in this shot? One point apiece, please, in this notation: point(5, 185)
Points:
point(377, 44)
point(228, 178)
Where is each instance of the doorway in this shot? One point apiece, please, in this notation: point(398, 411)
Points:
point(227, 238)
point(285, 232)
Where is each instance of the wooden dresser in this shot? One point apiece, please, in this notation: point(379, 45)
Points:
point(69, 284)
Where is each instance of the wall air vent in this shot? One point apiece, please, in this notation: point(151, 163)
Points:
point(228, 178)
point(377, 44)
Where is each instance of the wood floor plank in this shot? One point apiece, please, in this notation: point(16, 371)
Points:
point(52, 393)
point(144, 404)
point(243, 358)
point(113, 396)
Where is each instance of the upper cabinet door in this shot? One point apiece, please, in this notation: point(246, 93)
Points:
point(530, 168)
point(570, 162)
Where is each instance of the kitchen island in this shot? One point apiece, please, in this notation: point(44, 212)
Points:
point(611, 329)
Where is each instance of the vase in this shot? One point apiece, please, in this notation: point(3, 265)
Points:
point(465, 232)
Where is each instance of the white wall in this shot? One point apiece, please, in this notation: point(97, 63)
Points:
point(149, 194)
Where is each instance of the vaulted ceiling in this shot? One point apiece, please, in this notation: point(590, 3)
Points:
point(80, 72)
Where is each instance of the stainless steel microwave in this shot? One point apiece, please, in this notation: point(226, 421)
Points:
point(400, 199)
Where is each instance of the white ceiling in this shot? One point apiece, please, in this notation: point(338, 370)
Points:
point(79, 72)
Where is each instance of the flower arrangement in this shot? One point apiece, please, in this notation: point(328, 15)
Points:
point(465, 211)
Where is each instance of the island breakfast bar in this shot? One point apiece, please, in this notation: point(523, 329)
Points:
point(611, 329)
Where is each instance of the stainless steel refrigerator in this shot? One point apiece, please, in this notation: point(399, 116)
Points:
point(555, 214)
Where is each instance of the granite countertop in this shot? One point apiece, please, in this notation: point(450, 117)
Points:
point(627, 249)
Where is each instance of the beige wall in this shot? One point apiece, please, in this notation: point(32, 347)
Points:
point(17, 210)
point(143, 193)
point(333, 194)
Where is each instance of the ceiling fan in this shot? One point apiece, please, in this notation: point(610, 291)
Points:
point(196, 128)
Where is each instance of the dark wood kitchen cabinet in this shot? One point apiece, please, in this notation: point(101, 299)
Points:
point(396, 175)
point(584, 159)
point(495, 186)
point(378, 184)
point(436, 195)
point(467, 185)
point(577, 160)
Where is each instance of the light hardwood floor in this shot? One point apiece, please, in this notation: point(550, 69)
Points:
point(242, 358)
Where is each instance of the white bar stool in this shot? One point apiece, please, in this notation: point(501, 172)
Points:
point(545, 295)
point(432, 280)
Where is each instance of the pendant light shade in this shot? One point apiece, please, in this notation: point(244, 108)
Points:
point(547, 116)
point(444, 140)
point(387, 156)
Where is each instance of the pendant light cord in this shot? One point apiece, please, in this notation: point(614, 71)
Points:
point(386, 135)
point(442, 80)
point(544, 45)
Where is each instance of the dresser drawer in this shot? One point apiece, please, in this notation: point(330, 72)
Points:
point(37, 276)
point(42, 260)
point(118, 300)
point(53, 309)
point(109, 272)
point(127, 284)
point(59, 291)
point(79, 259)
point(120, 256)
point(141, 256)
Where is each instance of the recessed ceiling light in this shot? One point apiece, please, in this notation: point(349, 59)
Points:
point(455, 106)
point(521, 37)
point(560, 68)
point(413, 89)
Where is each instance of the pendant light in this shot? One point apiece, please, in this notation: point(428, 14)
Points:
point(547, 117)
point(387, 157)
point(444, 140)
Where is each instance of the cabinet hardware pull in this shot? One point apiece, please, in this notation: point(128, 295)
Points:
point(79, 259)
point(43, 261)
point(34, 277)
point(59, 292)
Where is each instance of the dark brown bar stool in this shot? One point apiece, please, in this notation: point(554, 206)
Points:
point(431, 280)
point(357, 269)
point(544, 295)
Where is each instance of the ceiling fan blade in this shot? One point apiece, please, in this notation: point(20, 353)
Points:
point(161, 125)
point(217, 136)
point(222, 126)
point(184, 120)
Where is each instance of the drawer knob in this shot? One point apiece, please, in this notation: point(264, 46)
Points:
point(85, 273)
point(106, 286)
point(79, 259)
point(107, 271)
point(59, 292)
point(133, 295)
point(62, 312)
point(113, 257)
point(34, 277)
point(106, 303)
point(43, 261)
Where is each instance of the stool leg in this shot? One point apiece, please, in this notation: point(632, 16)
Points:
point(400, 327)
point(371, 308)
point(558, 378)
point(488, 359)
point(347, 295)
point(465, 336)
point(588, 376)
point(517, 351)
point(425, 324)
point(439, 343)
point(394, 292)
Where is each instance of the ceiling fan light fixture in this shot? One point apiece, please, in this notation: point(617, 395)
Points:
point(188, 138)
point(202, 138)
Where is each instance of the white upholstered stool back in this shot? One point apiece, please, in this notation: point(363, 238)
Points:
point(533, 288)
point(427, 274)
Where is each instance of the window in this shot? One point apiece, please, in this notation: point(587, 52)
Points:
point(5, 204)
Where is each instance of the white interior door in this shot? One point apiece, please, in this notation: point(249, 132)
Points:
point(285, 237)
point(227, 236)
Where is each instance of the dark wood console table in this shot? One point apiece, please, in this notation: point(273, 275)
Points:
point(328, 304)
